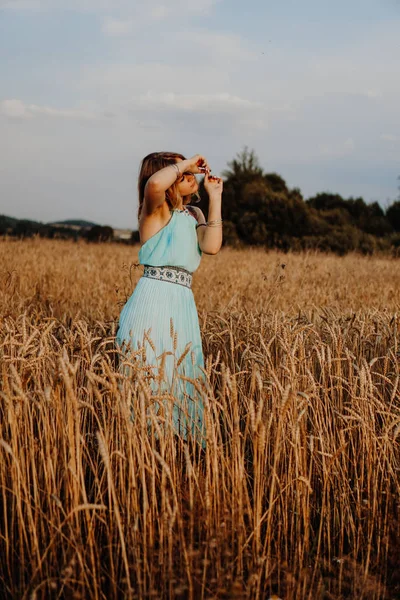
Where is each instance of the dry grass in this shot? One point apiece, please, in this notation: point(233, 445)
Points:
point(297, 493)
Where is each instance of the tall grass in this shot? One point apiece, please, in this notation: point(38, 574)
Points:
point(297, 492)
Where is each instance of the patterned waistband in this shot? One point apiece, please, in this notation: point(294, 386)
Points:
point(171, 274)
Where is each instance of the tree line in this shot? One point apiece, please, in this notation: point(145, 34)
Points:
point(25, 228)
point(259, 209)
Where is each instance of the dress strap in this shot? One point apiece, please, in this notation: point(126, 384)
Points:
point(192, 211)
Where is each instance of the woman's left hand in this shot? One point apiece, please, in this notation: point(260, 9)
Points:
point(212, 184)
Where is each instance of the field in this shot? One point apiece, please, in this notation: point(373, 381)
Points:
point(298, 492)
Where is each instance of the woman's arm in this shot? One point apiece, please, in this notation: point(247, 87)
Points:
point(210, 236)
point(159, 182)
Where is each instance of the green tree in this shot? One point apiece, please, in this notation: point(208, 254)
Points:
point(261, 206)
point(243, 169)
point(393, 215)
point(369, 218)
point(135, 237)
point(326, 201)
point(99, 233)
point(260, 209)
point(268, 216)
point(277, 184)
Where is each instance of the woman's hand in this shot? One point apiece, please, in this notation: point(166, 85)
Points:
point(197, 164)
point(213, 185)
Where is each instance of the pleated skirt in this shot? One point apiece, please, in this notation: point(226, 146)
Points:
point(159, 331)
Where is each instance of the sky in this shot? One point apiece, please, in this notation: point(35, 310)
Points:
point(89, 87)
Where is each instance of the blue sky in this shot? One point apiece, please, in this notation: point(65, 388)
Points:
point(88, 87)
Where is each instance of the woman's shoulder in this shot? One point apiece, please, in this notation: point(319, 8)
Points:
point(197, 213)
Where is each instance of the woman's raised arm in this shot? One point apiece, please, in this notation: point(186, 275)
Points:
point(158, 184)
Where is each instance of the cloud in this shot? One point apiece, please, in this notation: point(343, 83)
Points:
point(214, 45)
point(18, 110)
point(122, 84)
point(124, 21)
point(218, 112)
point(389, 137)
point(220, 102)
point(96, 6)
point(338, 150)
point(373, 94)
point(117, 27)
point(175, 7)
point(14, 109)
point(157, 10)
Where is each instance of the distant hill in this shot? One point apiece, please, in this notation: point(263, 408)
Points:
point(67, 229)
point(8, 221)
point(12, 221)
point(71, 228)
point(75, 222)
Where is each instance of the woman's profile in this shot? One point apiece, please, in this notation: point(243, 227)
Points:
point(160, 317)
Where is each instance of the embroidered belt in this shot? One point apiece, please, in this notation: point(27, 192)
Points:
point(171, 274)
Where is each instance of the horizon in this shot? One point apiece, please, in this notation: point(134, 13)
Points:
point(90, 88)
point(91, 222)
point(60, 222)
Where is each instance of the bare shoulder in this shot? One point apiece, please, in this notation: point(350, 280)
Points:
point(197, 213)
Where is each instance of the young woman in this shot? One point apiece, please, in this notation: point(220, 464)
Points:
point(160, 317)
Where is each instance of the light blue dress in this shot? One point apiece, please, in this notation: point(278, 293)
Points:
point(165, 310)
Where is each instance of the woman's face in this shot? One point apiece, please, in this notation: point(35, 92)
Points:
point(187, 184)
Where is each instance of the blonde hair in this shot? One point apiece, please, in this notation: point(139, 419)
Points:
point(151, 164)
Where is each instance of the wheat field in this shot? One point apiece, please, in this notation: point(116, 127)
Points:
point(297, 494)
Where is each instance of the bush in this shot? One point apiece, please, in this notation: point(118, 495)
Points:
point(340, 241)
point(230, 236)
point(99, 233)
point(393, 215)
point(135, 237)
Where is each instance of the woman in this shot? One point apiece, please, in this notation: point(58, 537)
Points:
point(160, 317)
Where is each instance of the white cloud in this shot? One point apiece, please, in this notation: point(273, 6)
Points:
point(373, 94)
point(120, 84)
point(112, 7)
point(349, 145)
point(160, 11)
point(16, 109)
point(389, 137)
point(338, 150)
point(123, 21)
point(219, 102)
point(96, 6)
point(117, 27)
point(215, 45)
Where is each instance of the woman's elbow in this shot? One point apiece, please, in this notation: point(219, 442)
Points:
point(212, 251)
point(152, 187)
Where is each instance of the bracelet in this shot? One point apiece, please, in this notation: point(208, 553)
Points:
point(213, 223)
point(175, 166)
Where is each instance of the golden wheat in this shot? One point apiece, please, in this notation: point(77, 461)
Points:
point(297, 493)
